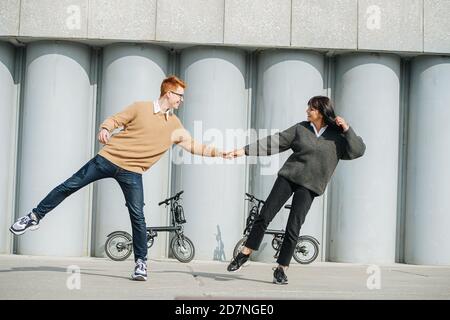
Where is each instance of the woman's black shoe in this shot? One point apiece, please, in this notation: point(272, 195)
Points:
point(238, 262)
point(279, 277)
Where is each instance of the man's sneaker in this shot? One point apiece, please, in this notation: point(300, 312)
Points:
point(140, 271)
point(279, 277)
point(28, 222)
point(238, 262)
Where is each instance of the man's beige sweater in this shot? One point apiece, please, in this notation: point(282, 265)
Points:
point(145, 137)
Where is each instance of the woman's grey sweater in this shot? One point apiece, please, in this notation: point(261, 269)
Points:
point(315, 158)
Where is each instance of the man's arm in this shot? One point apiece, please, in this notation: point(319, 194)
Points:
point(182, 138)
point(120, 119)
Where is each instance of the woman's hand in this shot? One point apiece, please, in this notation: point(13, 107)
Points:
point(342, 123)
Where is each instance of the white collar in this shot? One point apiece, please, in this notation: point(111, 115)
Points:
point(322, 130)
point(157, 108)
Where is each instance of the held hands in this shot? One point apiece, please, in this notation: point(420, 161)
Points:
point(342, 123)
point(103, 136)
point(221, 154)
point(229, 154)
point(234, 154)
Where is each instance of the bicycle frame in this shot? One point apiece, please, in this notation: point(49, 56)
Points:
point(255, 212)
point(175, 226)
point(306, 249)
point(118, 245)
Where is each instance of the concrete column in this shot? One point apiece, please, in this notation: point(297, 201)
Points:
point(131, 73)
point(215, 104)
point(427, 240)
point(8, 109)
point(286, 81)
point(363, 197)
point(56, 142)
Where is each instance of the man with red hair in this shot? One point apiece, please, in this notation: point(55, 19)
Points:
point(149, 130)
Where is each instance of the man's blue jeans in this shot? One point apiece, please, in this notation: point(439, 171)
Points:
point(130, 183)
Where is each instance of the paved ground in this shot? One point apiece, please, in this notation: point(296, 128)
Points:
point(33, 277)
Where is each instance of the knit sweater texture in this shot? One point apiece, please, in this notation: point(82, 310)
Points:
point(145, 136)
point(315, 158)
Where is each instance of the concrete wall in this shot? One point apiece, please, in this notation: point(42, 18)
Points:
point(380, 25)
point(363, 192)
point(56, 142)
point(216, 102)
point(358, 219)
point(8, 128)
point(427, 240)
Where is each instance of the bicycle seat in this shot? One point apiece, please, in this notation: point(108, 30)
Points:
point(177, 196)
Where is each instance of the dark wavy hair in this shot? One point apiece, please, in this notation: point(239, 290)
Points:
point(325, 107)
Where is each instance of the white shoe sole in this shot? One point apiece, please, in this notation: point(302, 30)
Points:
point(138, 278)
point(18, 233)
point(280, 283)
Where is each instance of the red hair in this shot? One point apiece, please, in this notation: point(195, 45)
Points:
point(170, 84)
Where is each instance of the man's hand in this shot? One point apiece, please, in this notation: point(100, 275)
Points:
point(235, 153)
point(103, 136)
point(342, 123)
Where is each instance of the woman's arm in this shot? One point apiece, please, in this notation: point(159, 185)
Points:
point(355, 146)
point(273, 144)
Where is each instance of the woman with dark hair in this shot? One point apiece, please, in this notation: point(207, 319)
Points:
point(318, 144)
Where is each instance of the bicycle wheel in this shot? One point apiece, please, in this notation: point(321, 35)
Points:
point(118, 245)
point(238, 246)
point(151, 234)
point(306, 250)
point(182, 248)
point(150, 242)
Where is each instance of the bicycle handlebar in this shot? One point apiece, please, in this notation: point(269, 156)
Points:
point(252, 197)
point(171, 198)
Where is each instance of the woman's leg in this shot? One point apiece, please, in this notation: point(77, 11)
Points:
point(301, 203)
point(281, 191)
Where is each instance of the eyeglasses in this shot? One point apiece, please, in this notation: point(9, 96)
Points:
point(178, 94)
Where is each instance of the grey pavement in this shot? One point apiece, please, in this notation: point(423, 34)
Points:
point(37, 277)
